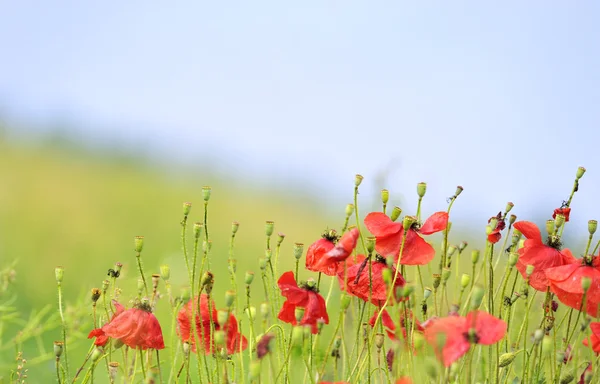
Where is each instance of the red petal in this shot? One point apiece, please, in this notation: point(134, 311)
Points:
point(315, 252)
point(488, 328)
point(494, 237)
point(389, 246)
point(286, 314)
point(435, 223)
point(456, 344)
point(416, 250)
point(379, 224)
point(314, 311)
point(289, 289)
point(529, 230)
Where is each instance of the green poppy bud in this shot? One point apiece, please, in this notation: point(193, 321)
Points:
point(465, 280)
point(349, 210)
point(138, 243)
point(206, 193)
point(187, 207)
point(506, 359)
point(59, 273)
point(477, 297)
point(385, 196)
point(249, 277)
point(592, 226)
point(580, 173)
point(421, 189)
point(475, 256)
point(269, 227)
point(357, 180)
point(298, 250)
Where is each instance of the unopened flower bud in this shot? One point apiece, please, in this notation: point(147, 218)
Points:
point(206, 192)
point(187, 207)
point(559, 220)
point(97, 353)
point(207, 278)
point(370, 244)
point(550, 226)
point(580, 173)
point(379, 339)
point(476, 297)
point(357, 180)
point(567, 378)
point(592, 226)
point(299, 314)
point(465, 280)
point(138, 243)
point(407, 222)
point(513, 257)
point(229, 298)
point(586, 283)
point(298, 250)
point(198, 229)
point(95, 294)
point(437, 278)
point(421, 189)
point(506, 359)
point(58, 348)
point(249, 277)
point(349, 210)
point(396, 212)
point(165, 272)
point(385, 196)
point(475, 256)
point(59, 273)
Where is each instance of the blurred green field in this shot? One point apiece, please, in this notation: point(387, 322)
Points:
point(63, 205)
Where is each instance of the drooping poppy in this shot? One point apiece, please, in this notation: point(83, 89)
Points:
point(565, 211)
point(390, 325)
point(303, 296)
point(460, 332)
point(595, 337)
point(357, 280)
point(495, 235)
point(326, 256)
point(541, 255)
point(389, 234)
point(565, 283)
point(235, 340)
point(136, 327)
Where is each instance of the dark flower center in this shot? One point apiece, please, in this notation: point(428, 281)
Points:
point(144, 306)
point(309, 287)
point(416, 226)
point(471, 337)
point(588, 260)
point(554, 242)
point(330, 235)
point(380, 259)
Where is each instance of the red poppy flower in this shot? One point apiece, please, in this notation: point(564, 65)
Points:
point(357, 280)
point(325, 256)
point(540, 255)
point(235, 340)
point(460, 332)
point(404, 380)
point(495, 235)
point(389, 234)
point(390, 326)
point(565, 282)
point(566, 212)
point(135, 327)
point(304, 297)
point(595, 337)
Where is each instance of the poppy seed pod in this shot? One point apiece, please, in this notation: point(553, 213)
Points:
point(234, 227)
point(592, 226)
point(396, 212)
point(206, 191)
point(509, 207)
point(506, 359)
point(58, 348)
point(349, 210)
point(269, 227)
point(385, 196)
point(198, 229)
point(298, 250)
point(138, 243)
point(59, 273)
point(249, 277)
point(187, 207)
point(358, 180)
point(580, 173)
point(421, 189)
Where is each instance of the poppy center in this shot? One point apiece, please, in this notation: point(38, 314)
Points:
point(471, 336)
point(554, 242)
point(330, 235)
point(309, 286)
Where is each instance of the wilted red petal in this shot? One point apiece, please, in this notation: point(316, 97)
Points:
point(416, 250)
point(101, 338)
point(566, 212)
point(529, 230)
point(137, 328)
point(327, 263)
point(315, 252)
point(494, 237)
point(315, 311)
point(435, 223)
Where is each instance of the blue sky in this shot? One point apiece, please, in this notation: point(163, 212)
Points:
point(501, 98)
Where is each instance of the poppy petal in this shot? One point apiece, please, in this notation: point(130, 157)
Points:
point(416, 250)
point(489, 329)
point(529, 230)
point(435, 223)
point(379, 224)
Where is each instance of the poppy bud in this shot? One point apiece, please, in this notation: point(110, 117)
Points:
point(232, 263)
point(476, 297)
point(251, 312)
point(265, 310)
point(297, 336)
point(550, 226)
point(407, 222)
point(197, 229)
point(59, 273)
point(567, 378)
point(262, 263)
point(586, 283)
point(431, 369)
point(508, 208)
point(249, 277)
point(206, 192)
point(528, 270)
point(229, 298)
point(138, 243)
point(513, 257)
point(379, 339)
point(396, 212)
point(269, 226)
point(298, 250)
point(349, 210)
point(386, 275)
point(235, 225)
point(459, 190)
point(345, 302)
point(421, 189)
point(187, 207)
point(385, 196)
point(559, 220)
point(58, 349)
point(357, 180)
point(165, 272)
point(370, 244)
point(427, 293)
point(592, 226)
point(445, 274)
point(512, 219)
point(207, 278)
point(506, 359)
point(95, 294)
point(97, 353)
point(280, 237)
point(465, 280)
point(538, 335)
point(299, 314)
point(254, 370)
point(268, 255)
point(451, 250)
point(475, 256)
point(462, 246)
point(105, 285)
point(580, 173)
point(437, 278)
point(113, 369)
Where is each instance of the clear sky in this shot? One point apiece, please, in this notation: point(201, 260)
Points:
point(501, 98)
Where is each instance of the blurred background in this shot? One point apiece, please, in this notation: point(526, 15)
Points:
point(114, 114)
